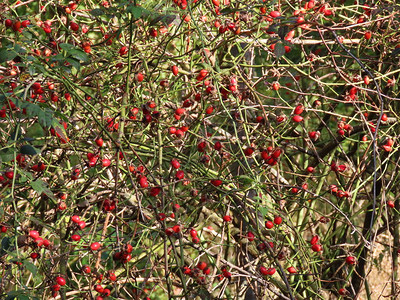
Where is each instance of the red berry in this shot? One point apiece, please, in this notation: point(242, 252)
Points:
point(86, 269)
point(278, 220)
point(175, 164)
point(275, 86)
point(316, 248)
point(74, 26)
point(350, 260)
point(193, 233)
point(299, 109)
point(249, 151)
point(105, 162)
point(269, 224)
point(274, 14)
point(209, 110)
point(76, 237)
point(297, 118)
point(202, 265)
point(139, 77)
point(123, 50)
point(217, 146)
point(34, 234)
point(8, 23)
point(169, 231)
point(342, 292)
point(98, 288)
point(292, 270)
point(368, 35)
point(60, 280)
point(271, 271)
point(263, 270)
point(216, 182)
point(25, 23)
point(176, 228)
point(95, 246)
point(76, 219)
point(314, 240)
point(250, 236)
point(227, 218)
point(55, 287)
point(16, 25)
point(175, 70)
point(180, 175)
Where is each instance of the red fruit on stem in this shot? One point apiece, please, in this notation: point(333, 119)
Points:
point(60, 280)
point(34, 234)
point(95, 246)
point(297, 118)
point(278, 220)
point(269, 224)
point(350, 260)
point(227, 218)
point(175, 70)
point(274, 14)
point(316, 248)
point(76, 237)
point(250, 236)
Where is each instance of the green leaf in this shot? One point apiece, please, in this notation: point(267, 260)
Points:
point(136, 11)
point(165, 19)
point(7, 155)
point(228, 10)
point(59, 129)
point(263, 211)
point(282, 31)
point(5, 244)
point(41, 187)
point(66, 47)
point(31, 70)
point(73, 62)
point(7, 55)
point(19, 49)
point(29, 150)
point(58, 57)
point(30, 267)
point(79, 55)
point(97, 12)
point(279, 50)
point(245, 180)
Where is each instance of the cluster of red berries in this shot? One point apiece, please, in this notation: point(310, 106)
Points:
point(16, 25)
point(125, 255)
point(60, 281)
point(339, 193)
point(58, 133)
point(344, 128)
point(387, 145)
point(264, 271)
point(271, 156)
point(338, 168)
point(149, 113)
point(314, 244)
point(297, 112)
point(198, 272)
point(277, 221)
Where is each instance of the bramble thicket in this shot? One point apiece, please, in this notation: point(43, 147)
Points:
point(199, 149)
